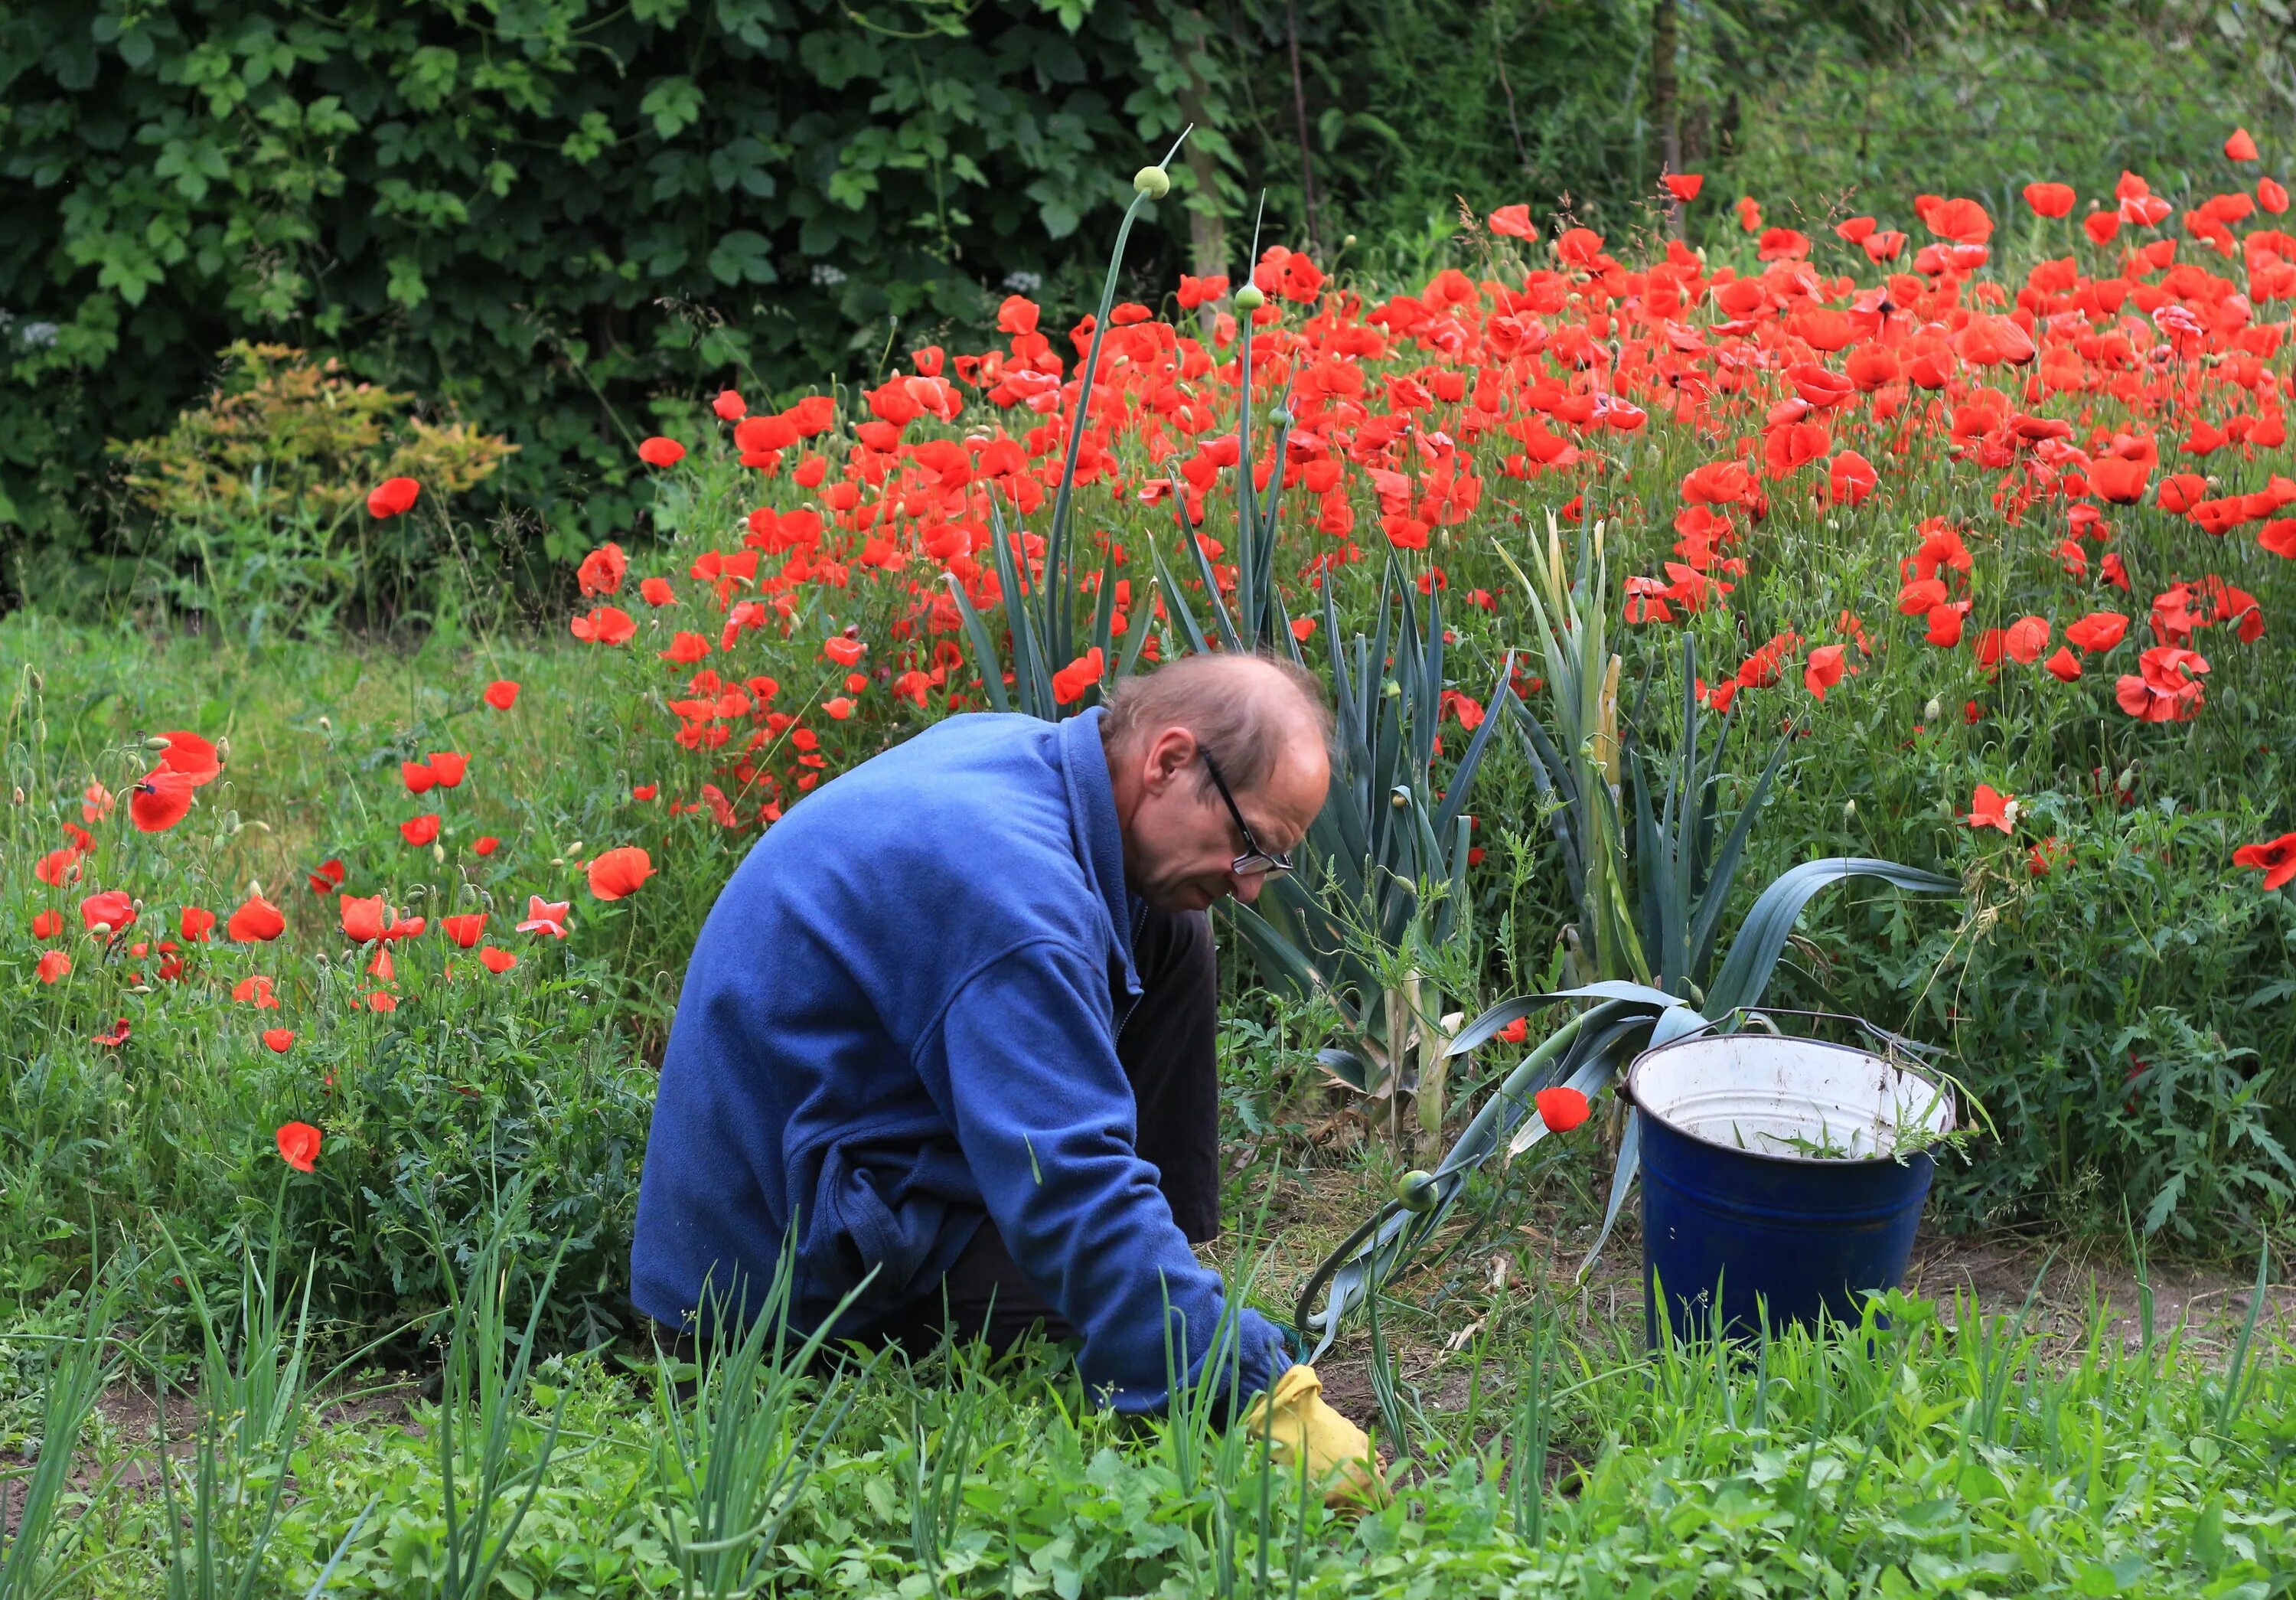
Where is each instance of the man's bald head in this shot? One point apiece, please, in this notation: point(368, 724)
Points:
point(1262, 724)
point(1247, 710)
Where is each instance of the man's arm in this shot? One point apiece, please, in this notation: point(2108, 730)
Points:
point(1028, 1075)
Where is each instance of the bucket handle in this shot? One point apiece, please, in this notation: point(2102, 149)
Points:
point(1890, 1042)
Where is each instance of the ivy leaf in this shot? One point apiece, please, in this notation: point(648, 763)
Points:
point(675, 104)
point(742, 257)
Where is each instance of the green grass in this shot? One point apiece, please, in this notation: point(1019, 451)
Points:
point(1916, 1453)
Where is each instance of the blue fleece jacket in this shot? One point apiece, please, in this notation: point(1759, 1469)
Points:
point(901, 1017)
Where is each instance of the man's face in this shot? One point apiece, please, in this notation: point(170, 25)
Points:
point(1181, 845)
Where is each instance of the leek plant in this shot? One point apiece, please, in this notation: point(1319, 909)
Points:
point(1042, 621)
point(35, 1551)
point(741, 1450)
point(1381, 892)
point(1650, 878)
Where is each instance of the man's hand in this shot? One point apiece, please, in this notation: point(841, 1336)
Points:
point(1298, 1426)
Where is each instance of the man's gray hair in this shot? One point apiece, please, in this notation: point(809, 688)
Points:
point(1239, 707)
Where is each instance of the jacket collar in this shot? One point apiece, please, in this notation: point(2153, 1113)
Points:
point(1098, 837)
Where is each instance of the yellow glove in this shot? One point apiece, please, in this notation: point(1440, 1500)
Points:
point(1298, 1426)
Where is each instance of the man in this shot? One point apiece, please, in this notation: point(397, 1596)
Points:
point(953, 1019)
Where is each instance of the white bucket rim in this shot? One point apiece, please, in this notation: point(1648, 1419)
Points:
point(1941, 1096)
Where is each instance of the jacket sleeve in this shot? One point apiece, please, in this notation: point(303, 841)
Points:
point(1025, 1071)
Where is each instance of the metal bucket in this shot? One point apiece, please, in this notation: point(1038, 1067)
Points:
point(1772, 1181)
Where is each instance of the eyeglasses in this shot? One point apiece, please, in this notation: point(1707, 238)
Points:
point(1254, 861)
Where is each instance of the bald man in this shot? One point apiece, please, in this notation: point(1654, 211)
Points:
point(953, 1020)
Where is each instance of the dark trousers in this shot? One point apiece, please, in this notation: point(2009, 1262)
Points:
point(1169, 1047)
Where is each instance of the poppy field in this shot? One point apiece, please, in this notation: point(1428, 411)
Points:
point(338, 972)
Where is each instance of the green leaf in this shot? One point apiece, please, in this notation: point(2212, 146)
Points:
point(1745, 974)
point(742, 257)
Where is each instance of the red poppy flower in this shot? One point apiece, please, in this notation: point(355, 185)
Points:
point(661, 452)
point(1684, 186)
point(162, 798)
point(1851, 479)
point(1070, 682)
point(496, 961)
point(190, 755)
point(420, 830)
point(656, 591)
point(417, 776)
point(2241, 146)
point(2122, 482)
point(53, 965)
point(107, 912)
point(195, 922)
point(1514, 221)
point(2276, 858)
point(545, 916)
point(605, 624)
point(837, 707)
point(844, 651)
point(466, 929)
point(255, 990)
point(602, 570)
point(380, 1002)
point(47, 924)
point(2050, 200)
point(58, 867)
point(447, 766)
point(255, 922)
point(363, 919)
point(114, 1039)
point(729, 405)
point(685, 649)
point(277, 1040)
point(1990, 809)
point(619, 871)
point(485, 844)
point(501, 694)
point(2064, 666)
point(1561, 1109)
point(392, 497)
point(299, 1146)
point(1822, 670)
point(2097, 632)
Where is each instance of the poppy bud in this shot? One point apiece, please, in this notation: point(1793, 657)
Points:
point(101, 930)
point(223, 748)
point(231, 823)
point(1154, 181)
point(438, 851)
point(1250, 297)
point(1933, 710)
point(157, 742)
point(1348, 243)
point(325, 727)
point(1849, 810)
point(19, 795)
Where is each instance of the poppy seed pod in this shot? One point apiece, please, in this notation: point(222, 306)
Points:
point(1154, 181)
point(1250, 297)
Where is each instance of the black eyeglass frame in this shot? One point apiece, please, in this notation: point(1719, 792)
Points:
point(1254, 861)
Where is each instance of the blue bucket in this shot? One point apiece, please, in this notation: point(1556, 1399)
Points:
point(1782, 1178)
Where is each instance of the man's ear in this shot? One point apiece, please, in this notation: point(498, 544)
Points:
point(1170, 754)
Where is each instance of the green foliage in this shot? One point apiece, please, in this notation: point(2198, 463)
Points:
point(1915, 1449)
point(557, 218)
point(257, 497)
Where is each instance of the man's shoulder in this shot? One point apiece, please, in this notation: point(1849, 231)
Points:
point(969, 822)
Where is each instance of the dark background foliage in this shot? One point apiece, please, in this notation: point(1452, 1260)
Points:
point(568, 220)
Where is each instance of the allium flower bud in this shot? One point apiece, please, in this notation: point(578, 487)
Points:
point(1154, 181)
point(1250, 298)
